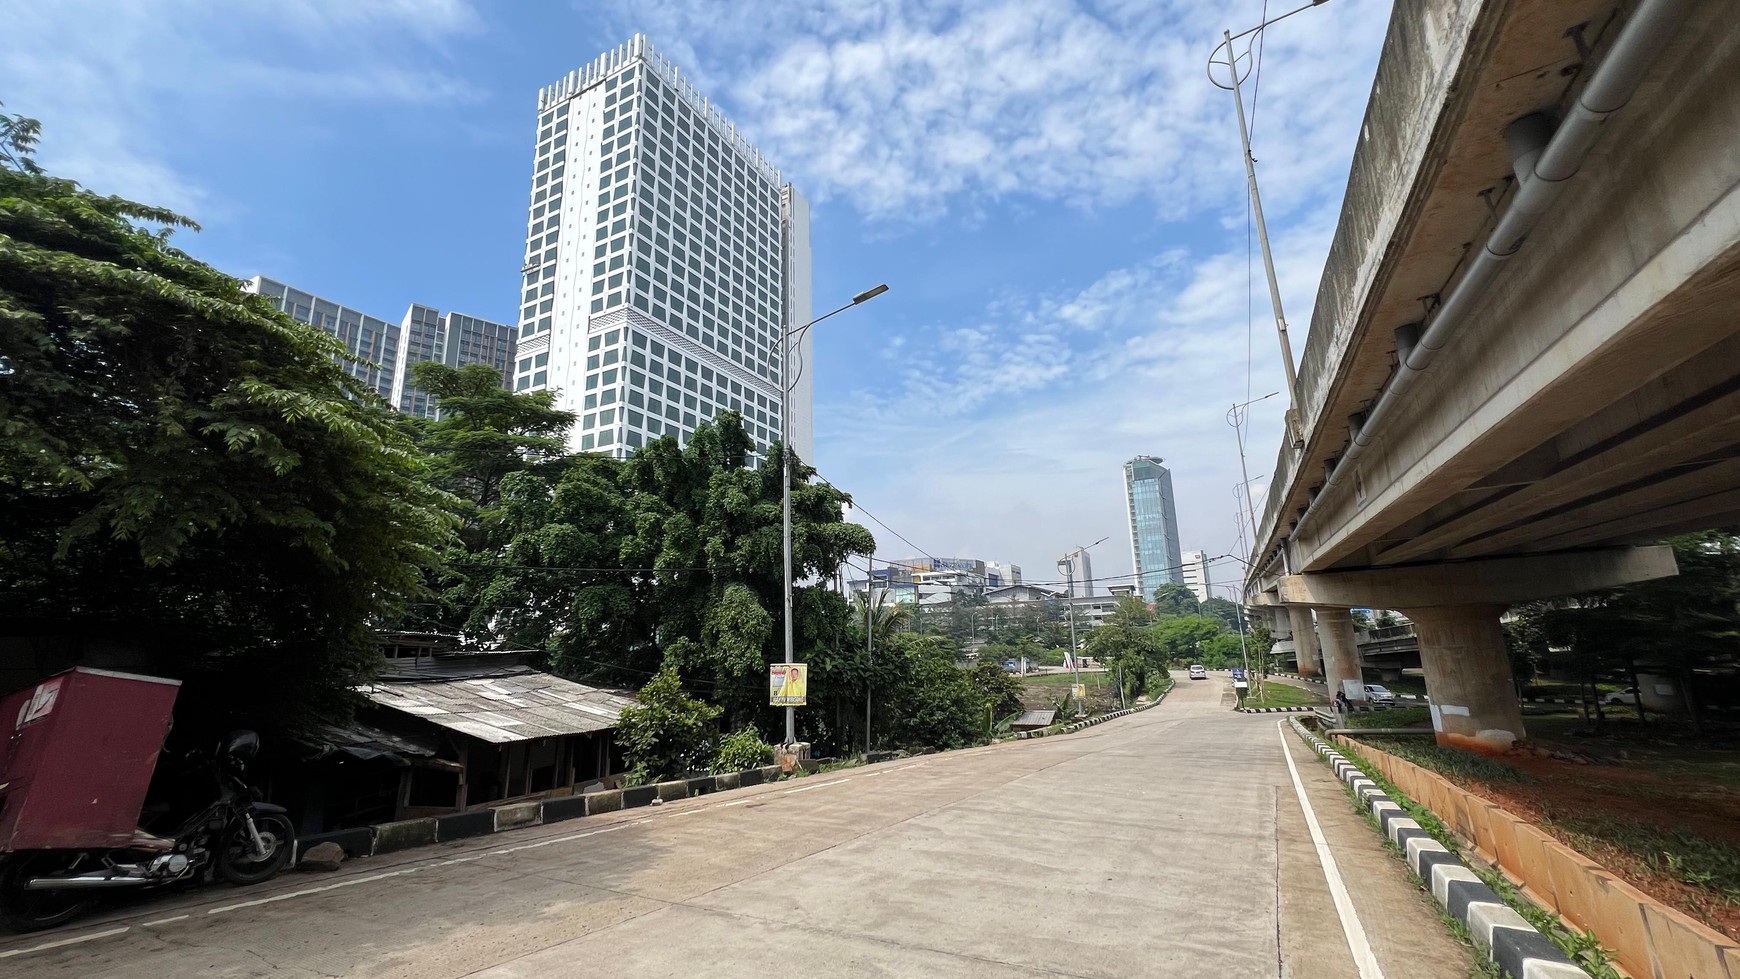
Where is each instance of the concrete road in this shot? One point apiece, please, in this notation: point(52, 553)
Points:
point(1167, 843)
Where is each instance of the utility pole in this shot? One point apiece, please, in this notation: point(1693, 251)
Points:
point(869, 650)
point(1295, 433)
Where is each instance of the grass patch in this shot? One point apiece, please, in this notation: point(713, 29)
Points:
point(1395, 717)
point(1452, 762)
point(1683, 856)
point(1282, 695)
point(1089, 680)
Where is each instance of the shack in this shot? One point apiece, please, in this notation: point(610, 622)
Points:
point(449, 732)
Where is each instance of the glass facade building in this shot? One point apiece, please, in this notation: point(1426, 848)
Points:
point(663, 256)
point(381, 353)
point(1153, 524)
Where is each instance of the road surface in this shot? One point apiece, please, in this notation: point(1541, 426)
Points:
point(1167, 843)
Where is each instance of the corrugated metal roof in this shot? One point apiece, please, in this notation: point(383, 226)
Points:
point(503, 708)
point(1034, 718)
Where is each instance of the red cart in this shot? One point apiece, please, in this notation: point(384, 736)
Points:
point(78, 754)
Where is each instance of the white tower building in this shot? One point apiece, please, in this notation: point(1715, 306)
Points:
point(663, 256)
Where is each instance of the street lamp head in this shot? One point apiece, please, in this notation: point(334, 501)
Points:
point(869, 294)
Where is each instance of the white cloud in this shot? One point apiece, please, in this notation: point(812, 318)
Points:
point(114, 84)
point(911, 109)
point(1010, 434)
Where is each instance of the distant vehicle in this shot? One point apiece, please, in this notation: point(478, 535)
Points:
point(1620, 698)
point(1198, 673)
point(1379, 695)
point(1011, 666)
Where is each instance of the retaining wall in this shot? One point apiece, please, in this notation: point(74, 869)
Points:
point(1647, 938)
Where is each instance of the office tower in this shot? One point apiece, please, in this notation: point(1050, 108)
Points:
point(384, 352)
point(1077, 570)
point(1153, 524)
point(1196, 574)
point(663, 255)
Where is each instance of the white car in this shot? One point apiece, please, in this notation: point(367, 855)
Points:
point(1198, 673)
point(1378, 695)
point(1620, 698)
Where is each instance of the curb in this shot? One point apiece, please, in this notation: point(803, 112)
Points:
point(1273, 710)
point(1075, 726)
point(1508, 938)
point(384, 838)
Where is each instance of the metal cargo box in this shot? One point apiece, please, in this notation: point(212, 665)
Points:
point(77, 757)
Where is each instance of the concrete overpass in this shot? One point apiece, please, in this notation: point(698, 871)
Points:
point(1524, 360)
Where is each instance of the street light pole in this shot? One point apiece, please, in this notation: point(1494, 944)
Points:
point(786, 384)
point(1294, 433)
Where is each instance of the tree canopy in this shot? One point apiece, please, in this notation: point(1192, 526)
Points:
point(183, 468)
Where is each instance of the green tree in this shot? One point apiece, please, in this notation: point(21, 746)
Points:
point(1181, 638)
point(935, 705)
point(1173, 599)
point(997, 687)
point(187, 468)
point(483, 434)
point(1226, 613)
point(667, 733)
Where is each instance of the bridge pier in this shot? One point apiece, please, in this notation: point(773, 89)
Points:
point(1468, 676)
point(1340, 649)
point(1305, 640)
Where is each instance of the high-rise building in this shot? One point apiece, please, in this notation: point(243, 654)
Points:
point(1196, 574)
point(1077, 570)
point(382, 353)
point(373, 343)
point(454, 339)
point(1153, 524)
point(663, 256)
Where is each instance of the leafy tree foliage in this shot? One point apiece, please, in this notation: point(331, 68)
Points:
point(1174, 599)
point(185, 468)
point(1226, 613)
point(668, 733)
point(483, 435)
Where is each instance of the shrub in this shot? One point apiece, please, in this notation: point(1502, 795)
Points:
point(740, 751)
point(668, 733)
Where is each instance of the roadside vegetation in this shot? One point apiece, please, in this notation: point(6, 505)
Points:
point(1283, 695)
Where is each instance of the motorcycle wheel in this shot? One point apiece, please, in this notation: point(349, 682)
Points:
point(22, 910)
point(236, 862)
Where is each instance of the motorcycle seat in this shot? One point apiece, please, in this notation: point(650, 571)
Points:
point(147, 841)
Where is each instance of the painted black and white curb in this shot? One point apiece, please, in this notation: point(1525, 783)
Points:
point(1080, 725)
point(1518, 948)
point(1273, 710)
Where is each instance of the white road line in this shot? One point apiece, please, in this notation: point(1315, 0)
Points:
point(564, 839)
point(45, 946)
point(821, 785)
point(1356, 940)
point(163, 921)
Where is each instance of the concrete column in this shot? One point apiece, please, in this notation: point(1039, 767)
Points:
point(1340, 652)
point(1468, 677)
point(1305, 640)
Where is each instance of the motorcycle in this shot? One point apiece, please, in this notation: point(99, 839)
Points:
point(237, 838)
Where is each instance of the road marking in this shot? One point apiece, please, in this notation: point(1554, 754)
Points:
point(45, 946)
point(162, 921)
point(1356, 940)
point(564, 839)
point(822, 785)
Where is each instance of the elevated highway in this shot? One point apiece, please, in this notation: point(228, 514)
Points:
point(1523, 365)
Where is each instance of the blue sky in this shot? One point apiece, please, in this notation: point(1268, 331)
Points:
point(1051, 188)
